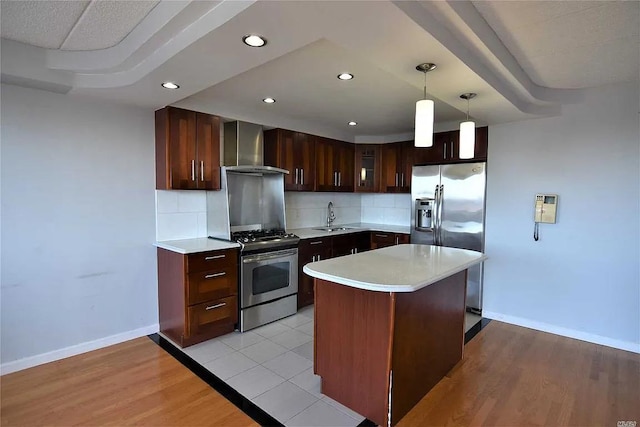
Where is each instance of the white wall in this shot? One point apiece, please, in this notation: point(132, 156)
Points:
point(78, 262)
point(581, 278)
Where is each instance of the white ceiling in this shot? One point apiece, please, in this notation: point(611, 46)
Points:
point(525, 59)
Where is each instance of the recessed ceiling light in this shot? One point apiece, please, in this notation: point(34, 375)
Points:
point(352, 123)
point(345, 76)
point(254, 40)
point(269, 100)
point(170, 85)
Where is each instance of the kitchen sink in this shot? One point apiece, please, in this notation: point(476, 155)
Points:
point(329, 229)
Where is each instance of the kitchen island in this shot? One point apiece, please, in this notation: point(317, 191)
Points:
point(389, 324)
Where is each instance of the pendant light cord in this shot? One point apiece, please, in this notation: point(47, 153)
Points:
point(468, 109)
point(425, 85)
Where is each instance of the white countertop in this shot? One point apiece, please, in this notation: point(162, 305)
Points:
point(191, 246)
point(312, 233)
point(402, 268)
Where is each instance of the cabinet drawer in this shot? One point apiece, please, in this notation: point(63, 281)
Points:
point(207, 316)
point(205, 261)
point(212, 284)
point(381, 239)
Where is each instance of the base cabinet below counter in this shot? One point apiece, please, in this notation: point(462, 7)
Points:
point(310, 250)
point(197, 294)
point(382, 239)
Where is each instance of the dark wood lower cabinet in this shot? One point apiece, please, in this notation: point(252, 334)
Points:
point(381, 239)
point(311, 250)
point(197, 294)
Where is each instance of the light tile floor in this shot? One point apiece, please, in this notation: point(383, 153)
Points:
point(273, 367)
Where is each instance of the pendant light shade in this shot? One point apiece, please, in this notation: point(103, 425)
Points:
point(424, 123)
point(467, 133)
point(424, 113)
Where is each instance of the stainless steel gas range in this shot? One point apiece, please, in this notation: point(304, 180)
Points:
point(268, 276)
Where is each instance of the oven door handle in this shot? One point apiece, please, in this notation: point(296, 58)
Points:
point(268, 256)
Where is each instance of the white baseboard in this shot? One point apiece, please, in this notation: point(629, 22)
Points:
point(39, 359)
point(565, 332)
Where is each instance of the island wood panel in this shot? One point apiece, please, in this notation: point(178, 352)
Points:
point(352, 346)
point(428, 340)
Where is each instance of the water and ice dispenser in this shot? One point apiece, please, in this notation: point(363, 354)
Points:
point(424, 210)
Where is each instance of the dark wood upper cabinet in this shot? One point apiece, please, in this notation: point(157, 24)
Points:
point(446, 148)
point(396, 161)
point(367, 168)
point(187, 150)
point(295, 152)
point(334, 165)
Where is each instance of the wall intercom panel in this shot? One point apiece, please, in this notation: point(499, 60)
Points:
point(545, 208)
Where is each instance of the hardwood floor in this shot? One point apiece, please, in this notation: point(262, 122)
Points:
point(513, 376)
point(135, 382)
point(510, 376)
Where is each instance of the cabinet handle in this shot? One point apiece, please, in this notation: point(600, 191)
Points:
point(339, 179)
point(201, 170)
point(396, 179)
point(382, 235)
point(302, 176)
point(315, 243)
point(209, 258)
point(397, 240)
point(402, 179)
point(211, 276)
point(451, 157)
point(355, 250)
point(318, 257)
point(211, 307)
point(193, 170)
point(444, 152)
point(296, 176)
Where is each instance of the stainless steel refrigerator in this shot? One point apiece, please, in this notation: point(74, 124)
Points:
point(448, 210)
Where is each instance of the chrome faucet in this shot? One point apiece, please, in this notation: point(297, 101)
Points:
point(330, 215)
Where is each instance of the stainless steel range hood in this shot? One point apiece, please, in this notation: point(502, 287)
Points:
point(243, 149)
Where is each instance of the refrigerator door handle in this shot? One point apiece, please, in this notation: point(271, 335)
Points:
point(440, 214)
point(436, 220)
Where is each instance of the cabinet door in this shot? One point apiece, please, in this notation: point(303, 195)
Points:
point(407, 166)
point(208, 151)
point(305, 160)
point(381, 239)
point(481, 147)
point(182, 147)
point(401, 238)
point(310, 250)
point(389, 160)
point(326, 178)
point(344, 158)
point(279, 151)
point(367, 169)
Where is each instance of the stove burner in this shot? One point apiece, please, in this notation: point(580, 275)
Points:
point(264, 239)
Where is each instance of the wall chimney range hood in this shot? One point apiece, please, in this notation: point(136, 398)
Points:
point(243, 149)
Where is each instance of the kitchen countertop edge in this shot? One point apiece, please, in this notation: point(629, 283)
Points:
point(355, 278)
point(312, 233)
point(195, 245)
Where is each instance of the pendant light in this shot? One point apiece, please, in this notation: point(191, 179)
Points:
point(467, 132)
point(424, 112)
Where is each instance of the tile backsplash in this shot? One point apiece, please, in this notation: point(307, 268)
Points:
point(310, 209)
point(180, 214)
point(392, 209)
point(183, 214)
